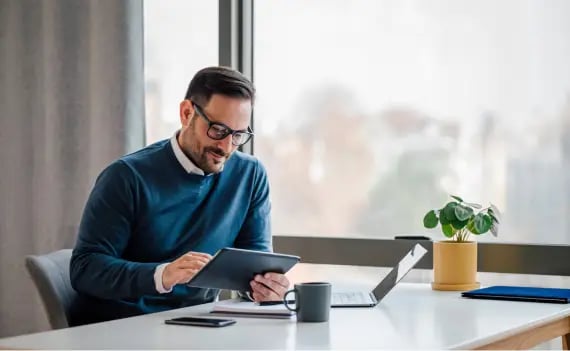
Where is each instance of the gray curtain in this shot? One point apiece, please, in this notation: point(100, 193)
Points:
point(71, 100)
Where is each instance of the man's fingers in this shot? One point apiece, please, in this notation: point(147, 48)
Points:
point(259, 288)
point(256, 297)
point(195, 258)
point(268, 283)
point(263, 291)
point(273, 280)
point(180, 272)
point(278, 278)
point(200, 259)
point(275, 286)
point(189, 265)
point(199, 254)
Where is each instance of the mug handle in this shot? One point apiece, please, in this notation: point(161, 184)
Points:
point(296, 309)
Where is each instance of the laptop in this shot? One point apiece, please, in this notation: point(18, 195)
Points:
point(372, 298)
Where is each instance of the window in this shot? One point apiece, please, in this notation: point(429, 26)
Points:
point(181, 37)
point(369, 113)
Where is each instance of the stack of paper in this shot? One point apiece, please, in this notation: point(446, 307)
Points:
point(251, 309)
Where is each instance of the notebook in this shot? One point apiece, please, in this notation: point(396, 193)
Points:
point(520, 293)
point(250, 309)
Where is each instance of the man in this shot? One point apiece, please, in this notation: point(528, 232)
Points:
point(155, 217)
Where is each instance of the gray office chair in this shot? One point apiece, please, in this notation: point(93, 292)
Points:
point(50, 274)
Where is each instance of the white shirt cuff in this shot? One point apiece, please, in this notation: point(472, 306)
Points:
point(158, 279)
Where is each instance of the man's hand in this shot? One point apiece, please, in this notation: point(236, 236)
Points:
point(269, 287)
point(184, 268)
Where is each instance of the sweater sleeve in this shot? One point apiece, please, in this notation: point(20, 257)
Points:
point(255, 233)
point(96, 266)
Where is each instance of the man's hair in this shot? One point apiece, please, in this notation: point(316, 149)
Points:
point(219, 80)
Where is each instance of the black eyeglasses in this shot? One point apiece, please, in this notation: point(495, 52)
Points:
point(219, 131)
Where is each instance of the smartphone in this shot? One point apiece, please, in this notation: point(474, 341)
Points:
point(201, 322)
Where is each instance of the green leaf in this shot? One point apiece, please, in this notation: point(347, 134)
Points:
point(492, 215)
point(463, 213)
point(482, 223)
point(474, 205)
point(442, 219)
point(430, 220)
point(457, 198)
point(459, 224)
point(495, 229)
point(471, 227)
point(449, 211)
point(448, 230)
point(494, 211)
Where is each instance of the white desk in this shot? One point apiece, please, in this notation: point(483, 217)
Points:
point(410, 317)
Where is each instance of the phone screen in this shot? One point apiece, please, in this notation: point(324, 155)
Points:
point(203, 322)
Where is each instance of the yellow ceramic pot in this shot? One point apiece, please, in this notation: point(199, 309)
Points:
point(455, 266)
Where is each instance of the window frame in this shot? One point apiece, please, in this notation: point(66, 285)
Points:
point(236, 34)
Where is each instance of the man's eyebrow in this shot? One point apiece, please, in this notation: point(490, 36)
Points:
point(235, 130)
point(209, 115)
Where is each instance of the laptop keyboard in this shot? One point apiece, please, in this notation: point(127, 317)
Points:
point(351, 298)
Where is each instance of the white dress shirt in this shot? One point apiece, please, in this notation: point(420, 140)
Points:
point(190, 168)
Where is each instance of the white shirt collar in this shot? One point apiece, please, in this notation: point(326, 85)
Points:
point(184, 161)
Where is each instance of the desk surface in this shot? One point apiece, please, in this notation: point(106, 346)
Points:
point(412, 316)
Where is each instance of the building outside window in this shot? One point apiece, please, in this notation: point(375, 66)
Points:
point(180, 37)
point(370, 112)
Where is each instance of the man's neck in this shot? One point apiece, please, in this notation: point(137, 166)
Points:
point(183, 148)
point(189, 159)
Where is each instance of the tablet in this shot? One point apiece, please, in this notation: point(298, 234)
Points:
point(233, 269)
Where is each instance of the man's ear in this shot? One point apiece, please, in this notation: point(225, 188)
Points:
point(186, 112)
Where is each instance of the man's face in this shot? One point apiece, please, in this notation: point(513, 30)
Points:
point(206, 153)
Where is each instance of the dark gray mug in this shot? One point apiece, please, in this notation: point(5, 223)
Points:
point(312, 301)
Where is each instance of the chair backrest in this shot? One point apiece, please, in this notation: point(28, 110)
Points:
point(50, 274)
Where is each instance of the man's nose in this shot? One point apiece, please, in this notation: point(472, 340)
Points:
point(226, 144)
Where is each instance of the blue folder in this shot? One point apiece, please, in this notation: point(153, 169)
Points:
point(520, 293)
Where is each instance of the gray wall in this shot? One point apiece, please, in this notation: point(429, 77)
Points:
point(71, 100)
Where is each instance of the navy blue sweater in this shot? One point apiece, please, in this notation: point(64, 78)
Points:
point(144, 210)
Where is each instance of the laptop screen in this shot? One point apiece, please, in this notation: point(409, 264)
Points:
point(399, 271)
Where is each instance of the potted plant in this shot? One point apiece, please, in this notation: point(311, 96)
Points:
point(455, 259)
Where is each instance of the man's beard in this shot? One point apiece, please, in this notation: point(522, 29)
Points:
point(206, 160)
